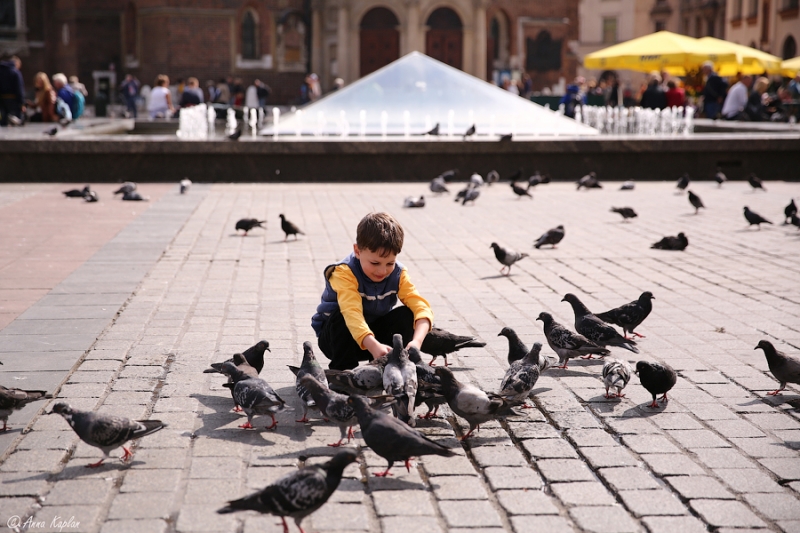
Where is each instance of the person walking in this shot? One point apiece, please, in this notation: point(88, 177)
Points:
point(12, 92)
point(713, 91)
point(130, 91)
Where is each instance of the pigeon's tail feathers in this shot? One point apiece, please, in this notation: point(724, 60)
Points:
point(608, 316)
point(472, 343)
point(254, 502)
point(294, 369)
point(623, 343)
point(148, 427)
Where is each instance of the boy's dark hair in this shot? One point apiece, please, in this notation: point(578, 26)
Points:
point(380, 232)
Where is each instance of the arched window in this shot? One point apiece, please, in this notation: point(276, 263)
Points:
point(543, 53)
point(789, 48)
point(249, 42)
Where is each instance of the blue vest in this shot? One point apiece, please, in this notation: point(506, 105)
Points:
point(377, 299)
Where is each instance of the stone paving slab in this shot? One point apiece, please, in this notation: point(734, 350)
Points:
point(718, 455)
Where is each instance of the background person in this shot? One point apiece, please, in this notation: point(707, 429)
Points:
point(12, 92)
point(160, 103)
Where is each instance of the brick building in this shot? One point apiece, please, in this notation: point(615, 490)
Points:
point(278, 41)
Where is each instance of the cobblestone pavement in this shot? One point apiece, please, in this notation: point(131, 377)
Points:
point(720, 456)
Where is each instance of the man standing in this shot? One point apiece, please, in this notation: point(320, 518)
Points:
point(130, 90)
point(737, 99)
point(713, 91)
point(12, 92)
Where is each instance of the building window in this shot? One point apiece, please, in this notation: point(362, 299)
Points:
point(543, 53)
point(609, 30)
point(8, 13)
point(791, 4)
point(661, 26)
point(789, 48)
point(698, 26)
point(249, 47)
point(738, 7)
point(753, 11)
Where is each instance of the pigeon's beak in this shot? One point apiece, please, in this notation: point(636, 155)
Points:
point(499, 334)
point(756, 348)
point(563, 299)
point(270, 351)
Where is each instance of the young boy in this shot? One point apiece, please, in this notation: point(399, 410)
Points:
point(357, 317)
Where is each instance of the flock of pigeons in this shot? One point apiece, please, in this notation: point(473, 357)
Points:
point(127, 190)
point(289, 228)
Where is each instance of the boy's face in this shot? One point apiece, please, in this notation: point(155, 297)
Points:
point(375, 265)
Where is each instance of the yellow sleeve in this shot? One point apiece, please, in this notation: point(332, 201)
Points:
point(413, 300)
point(344, 282)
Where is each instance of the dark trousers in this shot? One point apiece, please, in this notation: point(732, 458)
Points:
point(341, 348)
point(9, 107)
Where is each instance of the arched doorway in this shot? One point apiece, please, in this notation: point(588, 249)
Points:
point(789, 48)
point(380, 39)
point(444, 40)
point(498, 45)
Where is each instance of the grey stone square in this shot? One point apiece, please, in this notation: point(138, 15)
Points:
point(604, 519)
point(748, 480)
point(403, 503)
point(583, 493)
point(555, 470)
point(664, 464)
point(671, 524)
point(652, 503)
point(649, 444)
point(693, 487)
point(476, 513)
point(549, 448)
point(458, 488)
point(726, 513)
point(628, 478)
point(776, 506)
point(526, 502)
point(404, 524)
point(507, 477)
point(608, 456)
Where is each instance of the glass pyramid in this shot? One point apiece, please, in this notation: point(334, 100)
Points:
point(411, 96)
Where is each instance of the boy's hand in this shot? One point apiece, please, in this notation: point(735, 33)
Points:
point(375, 348)
point(414, 343)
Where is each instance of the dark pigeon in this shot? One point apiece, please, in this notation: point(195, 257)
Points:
point(506, 256)
point(470, 132)
point(521, 377)
point(15, 399)
point(520, 191)
point(400, 380)
point(516, 348)
point(552, 237)
point(720, 177)
point(289, 228)
point(471, 403)
point(471, 195)
point(492, 177)
point(516, 175)
point(449, 174)
point(390, 438)
point(754, 218)
point(366, 379)
point(589, 181)
point(51, 132)
point(77, 193)
point(236, 134)
point(106, 432)
point(696, 202)
point(795, 221)
point(297, 494)
point(438, 185)
point(679, 242)
point(630, 315)
point(91, 197)
point(134, 196)
point(790, 210)
point(785, 368)
point(626, 212)
point(566, 343)
point(254, 395)
point(594, 329)
point(657, 378)
point(755, 182)
point(683, 181)
point(429, 386)
point(616, 375)
point(537, 179)
point(247, 224)
point(254, 356)
point(433, 131)
point(508, 137)
point(128, 186)
point(460, 195)
point(309, 367)
point(440, 342)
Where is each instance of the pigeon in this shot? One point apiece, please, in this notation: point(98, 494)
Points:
point(537, 179)
point(460, 195)
point(471, 403)
point(135, 197)
point(236, 134)
point(51, 132)
point(126, 187)
point(106, 432)
point(516, 348)
point(433, 131)
point(476, 179)
point(616, 375)
point(91, 197)
point(594, 329)
point(785, 368)
point(520, 191)
point(630, 315)
point(657, 378)
point(755, 182)
point(492, 177)
point(626, 212)
point(239, 360)
point(795, 221)
point(289, 228)
point(520, 378)
point(254, 356)
point(365, 380)
point(414, 201)
point(332, 405)
point(696, 202)
point(790, 210)
point(449, 174)
point(552, 237)
point(440, 342)
point(754, 218)
point(309, 367)
point(429, 386)
point(78, 193)
point(683, 181)
point(508, 137)
point(627, 186)
point(471, 195)
point(247, 224)
point(400, 380)
point(185, 184)
point(507, 256)
point(720, 177)
point(470, 132)
point(438, 185)
point(567, 344)
point(678, 242)
point(390, 438)
point(516, 175)
point(254, 395)
point(297, 494)
point(15, 399)
point(589, 181)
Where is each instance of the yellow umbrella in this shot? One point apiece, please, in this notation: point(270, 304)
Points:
point(748, 60)
point(791, 67)
point(662, 50)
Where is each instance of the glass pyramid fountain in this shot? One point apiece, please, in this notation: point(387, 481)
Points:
point(411, 96)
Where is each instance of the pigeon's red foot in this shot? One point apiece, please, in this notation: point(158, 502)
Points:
point(303, 420)
point(383, 474)
point(95, 465)
point(5, 425)
point(432, 362)
point(350, 434)
point(590, 356)
point(640, 336)
point(609, 396)
point(408, 465)
point(285, 525)
point(563, 367)
point(526, 406)
point(237, 409)
point(274, 423)
point(774, 393)
point(620, 395)
point(246, 425)
point(126, 456)
point(336, 444)
point(664, 398)
point(654, 405)
point(446, 363)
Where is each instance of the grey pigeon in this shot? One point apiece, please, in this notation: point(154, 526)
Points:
point(516, 348)
point(449, 174)
point(537, 178)
point(626, 212)
point(795, 221)
point(521, 377)
point(589, 181)
point(627, 186)
point(429, 386)
point(683, 181)
point(566, 343)
point(755, 182)
point(678, 242)
point(754, 218)
point(289, 228)
point(720, 177)
point(696, 202)
point(247, 224)
point(470, 132)
point(507, 256)
point(508, 137)
point(77, 193)
point(471, 403)
point(391, 439)
point(91, 197)
point(254, 395)
point(492, 177)
point(594, 329)
point(297, 494)
point(309, 367)
point(785, 368)
point(253, 355)
point(438, 185)
point(471, 195)
point(440, 342)
point(185, 184)
point(630, 315)
point(126, 187)
point(414, 201)
point(789, 211)
point(241, 363)
point(400, 380)
point(657, 378)
point(134, 196)
point(552, 237)
point(52, 132)
point(460, 195)
point(476, 179)
point(365, 379)
point(106, 432)
point(433, 131)
point(15, 399)
point(616, 375)
point(520, 191)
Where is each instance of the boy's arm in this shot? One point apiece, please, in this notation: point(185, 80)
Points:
point(423, 315)
point(346, 286)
